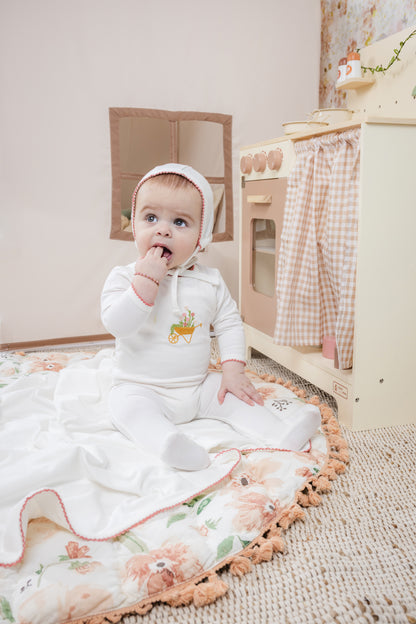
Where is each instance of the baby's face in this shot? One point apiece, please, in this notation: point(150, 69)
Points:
point(168, 217)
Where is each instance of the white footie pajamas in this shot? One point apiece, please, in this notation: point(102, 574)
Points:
point(163, 352)
point(146, 411)
point(149, 416)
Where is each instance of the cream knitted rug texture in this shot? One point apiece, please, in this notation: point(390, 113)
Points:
point(351, 560)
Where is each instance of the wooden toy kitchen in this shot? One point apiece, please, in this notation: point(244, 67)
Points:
point(327, 244)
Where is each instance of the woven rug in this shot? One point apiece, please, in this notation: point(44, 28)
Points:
point(351, 560)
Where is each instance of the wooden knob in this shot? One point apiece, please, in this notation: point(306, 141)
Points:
point(246, 164)
point(275, 159)
point(259, 162)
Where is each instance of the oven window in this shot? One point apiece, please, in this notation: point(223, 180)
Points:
point(264, 256)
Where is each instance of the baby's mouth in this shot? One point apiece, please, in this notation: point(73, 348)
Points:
point(166, 253)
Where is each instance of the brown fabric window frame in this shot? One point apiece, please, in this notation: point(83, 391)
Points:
point(173, 116)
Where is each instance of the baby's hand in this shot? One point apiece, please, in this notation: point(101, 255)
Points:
point(234, 380)
point(153, 264)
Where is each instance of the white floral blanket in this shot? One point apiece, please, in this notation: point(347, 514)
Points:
point(89, 527)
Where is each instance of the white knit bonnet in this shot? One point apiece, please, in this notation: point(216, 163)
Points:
point(204, 188)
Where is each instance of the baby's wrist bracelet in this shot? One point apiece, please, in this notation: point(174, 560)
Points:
point(152, 279)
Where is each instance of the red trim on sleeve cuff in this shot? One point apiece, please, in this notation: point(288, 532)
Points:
point(138, 296)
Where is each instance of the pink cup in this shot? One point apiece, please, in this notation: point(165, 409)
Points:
point(328, 347)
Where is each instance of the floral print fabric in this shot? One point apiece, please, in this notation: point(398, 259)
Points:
point(63, 577)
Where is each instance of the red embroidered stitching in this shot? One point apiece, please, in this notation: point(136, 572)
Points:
point(104, 539)
point(143, 520)
point(274, 448)
point(138, 296)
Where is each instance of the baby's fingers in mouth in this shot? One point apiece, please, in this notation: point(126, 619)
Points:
point(165, 252)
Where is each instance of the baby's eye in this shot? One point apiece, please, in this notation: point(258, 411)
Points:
point(180, 222)
point(150, 218)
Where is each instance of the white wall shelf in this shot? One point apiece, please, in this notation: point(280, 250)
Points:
point(355, 83)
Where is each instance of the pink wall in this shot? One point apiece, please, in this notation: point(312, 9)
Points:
point(63, 65)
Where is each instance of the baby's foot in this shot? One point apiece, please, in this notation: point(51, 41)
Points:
point(182, 453)
point(299, 427)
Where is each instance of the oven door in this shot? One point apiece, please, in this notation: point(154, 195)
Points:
point(262, 221)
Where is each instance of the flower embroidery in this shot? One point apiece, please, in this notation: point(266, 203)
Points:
point(64, 603)
point(75, 552)
point(184, 328)
point(254, 510)
point(267, 392)
point(242, 480)
point(188, 319)
point(209, 525)
point(159, 569)
point(259, 473)
point(87, 567)
point(46, 362)
point(304, 472)
point(7, 370)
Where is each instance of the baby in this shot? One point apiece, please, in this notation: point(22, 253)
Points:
point(160, 310)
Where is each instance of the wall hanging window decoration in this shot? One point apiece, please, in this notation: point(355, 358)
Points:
point(142, 138)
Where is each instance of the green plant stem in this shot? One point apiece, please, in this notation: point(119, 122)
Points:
point(394, 58)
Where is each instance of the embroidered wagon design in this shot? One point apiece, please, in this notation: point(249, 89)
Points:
point(184, 328)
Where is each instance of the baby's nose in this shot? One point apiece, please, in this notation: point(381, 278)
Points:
point(163, 228)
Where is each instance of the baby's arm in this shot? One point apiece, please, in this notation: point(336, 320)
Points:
point(234, 380)
point(126, 302)
point(230, 334)
point(148, 273)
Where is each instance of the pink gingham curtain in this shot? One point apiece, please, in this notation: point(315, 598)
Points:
point(317, 259)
